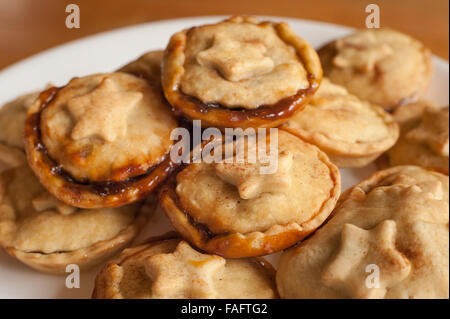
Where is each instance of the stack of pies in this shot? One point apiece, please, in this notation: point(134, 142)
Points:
point(87, 163)
point(424, 137)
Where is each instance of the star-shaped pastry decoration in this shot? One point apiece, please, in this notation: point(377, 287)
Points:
point(103, 111)
point(185, 273)
point(249, 180)
point(45, 202)
point(361, 248)
point(361, 51)
point(433, 130)
point(236, 60)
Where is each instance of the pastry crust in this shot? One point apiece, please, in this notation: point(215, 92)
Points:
point(382, 66)
point(147, 66)
point(352, 132)
point(12, 122)
point(91, 164)
point(48, 235)
point(238, 222)
point(385, 221)
point(423, 139)
point(139, 273)
point(231, 103)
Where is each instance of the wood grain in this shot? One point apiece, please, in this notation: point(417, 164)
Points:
point(30, 26)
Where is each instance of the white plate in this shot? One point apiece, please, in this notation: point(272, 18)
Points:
point(106, 52)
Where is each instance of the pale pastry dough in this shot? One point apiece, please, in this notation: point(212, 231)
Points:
point(147, 66)
point(172, 269)
point(238, 209)
point(381, 66)
point(352, 132)
point(388, 238)
point(424, 137)
point(12, 123)
point(47, 235)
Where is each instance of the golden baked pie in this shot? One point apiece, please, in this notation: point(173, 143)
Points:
point(12, 122)
point(100, 141)
point(170, 269)
point(424, 137)
point(352, 132)
point(47, 234)
point(147, 66)
point(247, 205)
point(239, 73)
point(381, 66)
point(388, 238)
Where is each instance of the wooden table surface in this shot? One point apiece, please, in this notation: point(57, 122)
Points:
point(30, 26)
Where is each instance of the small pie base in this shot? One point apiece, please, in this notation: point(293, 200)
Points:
point(56, 263)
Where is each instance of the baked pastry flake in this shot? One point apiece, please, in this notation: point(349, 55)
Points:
point(381, 66)
point(388, 238)
point(352, 132)
point(171, 269)
point(239, 73)
point(234, 209)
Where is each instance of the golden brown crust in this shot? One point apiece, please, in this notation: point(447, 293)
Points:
point(263, 116)
point(251, 244)
point(83, 195)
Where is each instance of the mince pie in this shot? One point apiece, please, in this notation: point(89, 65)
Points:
point(239, 73)
point(47, 235)
point(388, 238)
point(147, 66)
point(252, 204)
point(170, 269)
point(381, 66)
point(424, 137)
point(102, 140)
point(352, 132)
